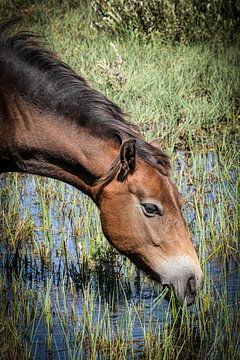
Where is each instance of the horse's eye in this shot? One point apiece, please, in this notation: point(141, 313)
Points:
point(151, 209)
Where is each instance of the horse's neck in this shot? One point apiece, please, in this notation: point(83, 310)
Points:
point(38, 143)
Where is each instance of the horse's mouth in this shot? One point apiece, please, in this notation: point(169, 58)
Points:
point(188, 298)
point(178, 273)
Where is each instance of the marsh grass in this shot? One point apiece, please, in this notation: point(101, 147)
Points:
point(65, 293)
point(92, 299)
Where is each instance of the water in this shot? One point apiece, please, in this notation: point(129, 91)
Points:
point(67, 231)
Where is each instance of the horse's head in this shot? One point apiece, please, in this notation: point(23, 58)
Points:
point(141, 217)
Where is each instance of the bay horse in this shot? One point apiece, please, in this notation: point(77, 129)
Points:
point(52, 123)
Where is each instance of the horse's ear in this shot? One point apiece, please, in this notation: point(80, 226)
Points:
point(127, 158)
point(156, 142)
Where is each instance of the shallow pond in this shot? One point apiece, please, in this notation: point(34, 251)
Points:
point(70, 261)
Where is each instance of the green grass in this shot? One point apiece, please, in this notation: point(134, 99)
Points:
point(57, 271)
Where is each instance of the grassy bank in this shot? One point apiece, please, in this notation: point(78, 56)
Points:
point(64, 291)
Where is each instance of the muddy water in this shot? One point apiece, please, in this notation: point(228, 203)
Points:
point(66, 225)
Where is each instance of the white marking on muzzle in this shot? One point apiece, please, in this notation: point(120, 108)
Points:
point(177, 270)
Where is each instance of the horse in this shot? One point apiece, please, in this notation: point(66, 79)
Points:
point(54, 124)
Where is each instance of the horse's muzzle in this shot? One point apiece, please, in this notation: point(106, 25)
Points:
point(187, 288)
point(185, 277)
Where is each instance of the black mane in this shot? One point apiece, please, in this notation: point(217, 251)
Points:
point(43, 80)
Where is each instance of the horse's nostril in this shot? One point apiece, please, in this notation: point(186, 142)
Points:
point(192, 286)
